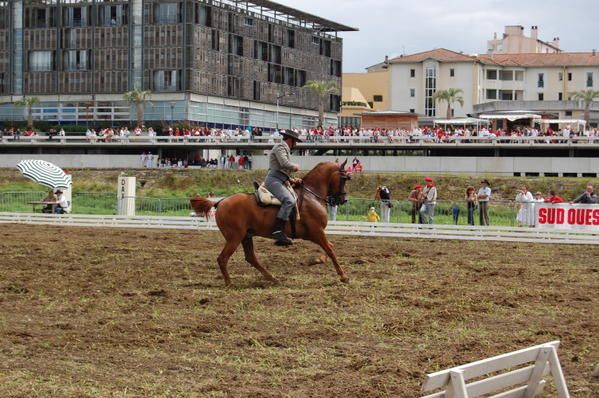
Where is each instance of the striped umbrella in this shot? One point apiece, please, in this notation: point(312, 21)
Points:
point(45, 173)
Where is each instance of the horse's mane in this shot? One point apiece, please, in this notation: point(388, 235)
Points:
point(317, 168)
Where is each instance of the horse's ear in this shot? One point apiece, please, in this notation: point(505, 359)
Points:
point(342, 166)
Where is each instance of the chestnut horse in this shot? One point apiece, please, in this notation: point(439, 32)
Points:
point(239, 217)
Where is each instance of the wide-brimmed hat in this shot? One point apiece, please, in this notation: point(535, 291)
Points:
point(292, 134)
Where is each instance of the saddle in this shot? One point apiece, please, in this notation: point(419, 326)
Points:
point(265, 198)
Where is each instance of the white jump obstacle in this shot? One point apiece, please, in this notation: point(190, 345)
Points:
point(495, 375)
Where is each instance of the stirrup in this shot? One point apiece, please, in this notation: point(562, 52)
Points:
point(281, 239)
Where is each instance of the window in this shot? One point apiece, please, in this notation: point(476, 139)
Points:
point(41, 61)
point(491, 74)
point(541, 96)
point(301, 78)
point(260, 50)
point(275, 73)
point(506, 75)
point(248, 21)
point(166, 13)
point(76, 60)
point(412, 92)
point(116, 15)
point(412, 72)
point(236, 45)
point(452, 72)
point(491, 94)
point(568, 113)
point(335, 68)
point(275, 54)
point(569, 76)
point(204, 16)
point(377, 98)
point(289, 76)
point(519, 75)
point(430, 86)
point(371, 104)
point(560, 96)
point(506, 95)
point(215, 40)
point(256, 94)
point(166, 80)
point(589, 79)
point(560, 76)
point(541, 80)
point(316, 40)
point(325, 48)
point(412, 110)
point(335, 103)
point(290, 38)
point(75, 16)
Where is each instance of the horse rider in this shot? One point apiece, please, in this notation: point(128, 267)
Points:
point(278, 179)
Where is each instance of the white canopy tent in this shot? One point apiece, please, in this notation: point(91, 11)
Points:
point(511, 116)
point(462, 121)
point(575, 122)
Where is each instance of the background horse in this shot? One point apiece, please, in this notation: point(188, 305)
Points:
point(239, 217)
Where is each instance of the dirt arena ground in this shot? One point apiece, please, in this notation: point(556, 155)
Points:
point(122, 313)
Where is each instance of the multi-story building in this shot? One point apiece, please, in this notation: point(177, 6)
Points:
point(537, 82)
point(514, 41)
point(218, 62)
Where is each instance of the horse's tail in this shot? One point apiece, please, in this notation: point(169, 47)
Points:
point(202, 205)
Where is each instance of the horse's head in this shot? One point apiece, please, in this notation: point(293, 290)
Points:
point(336, 188)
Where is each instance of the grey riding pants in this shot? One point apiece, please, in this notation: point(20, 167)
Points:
point(281, 192)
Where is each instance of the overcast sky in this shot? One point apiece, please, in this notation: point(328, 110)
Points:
point(393, 27)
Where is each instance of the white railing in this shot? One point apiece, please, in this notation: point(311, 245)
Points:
point(308, 141)
point(452, 232)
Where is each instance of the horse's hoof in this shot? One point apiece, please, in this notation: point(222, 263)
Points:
point(345, 279)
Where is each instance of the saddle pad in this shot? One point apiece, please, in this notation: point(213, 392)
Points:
point(267, 198)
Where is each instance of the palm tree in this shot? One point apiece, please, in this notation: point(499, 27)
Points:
point(28, 102)
point(322, 89)
point(587, 96)
point(450, 96)
point(140, 98)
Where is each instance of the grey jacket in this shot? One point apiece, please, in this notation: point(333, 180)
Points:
point(280, 166)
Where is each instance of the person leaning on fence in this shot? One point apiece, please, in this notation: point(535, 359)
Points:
point(471, 203)
point(587, 197)
point(384, 195)
point(553, 198)
point(525, 213)
point(372, 216)
point(415, 198)
point(484, 195)
point(429, 194)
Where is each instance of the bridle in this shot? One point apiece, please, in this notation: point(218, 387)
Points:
point(336, 199)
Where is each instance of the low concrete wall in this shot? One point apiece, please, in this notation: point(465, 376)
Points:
point(409, 164)
point(78, 161)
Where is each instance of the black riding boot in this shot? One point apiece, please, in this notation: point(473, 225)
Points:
point(279, 233)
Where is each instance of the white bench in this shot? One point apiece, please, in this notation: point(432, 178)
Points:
point(517, 374)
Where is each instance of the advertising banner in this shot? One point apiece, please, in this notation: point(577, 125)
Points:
point(567, 216)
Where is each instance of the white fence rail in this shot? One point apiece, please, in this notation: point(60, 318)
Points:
point(451, 232)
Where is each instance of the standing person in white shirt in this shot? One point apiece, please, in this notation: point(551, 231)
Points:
point(524, 197)
point(484, 195)
point(429, 194)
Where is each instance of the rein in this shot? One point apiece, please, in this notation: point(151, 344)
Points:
point(306, 188)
